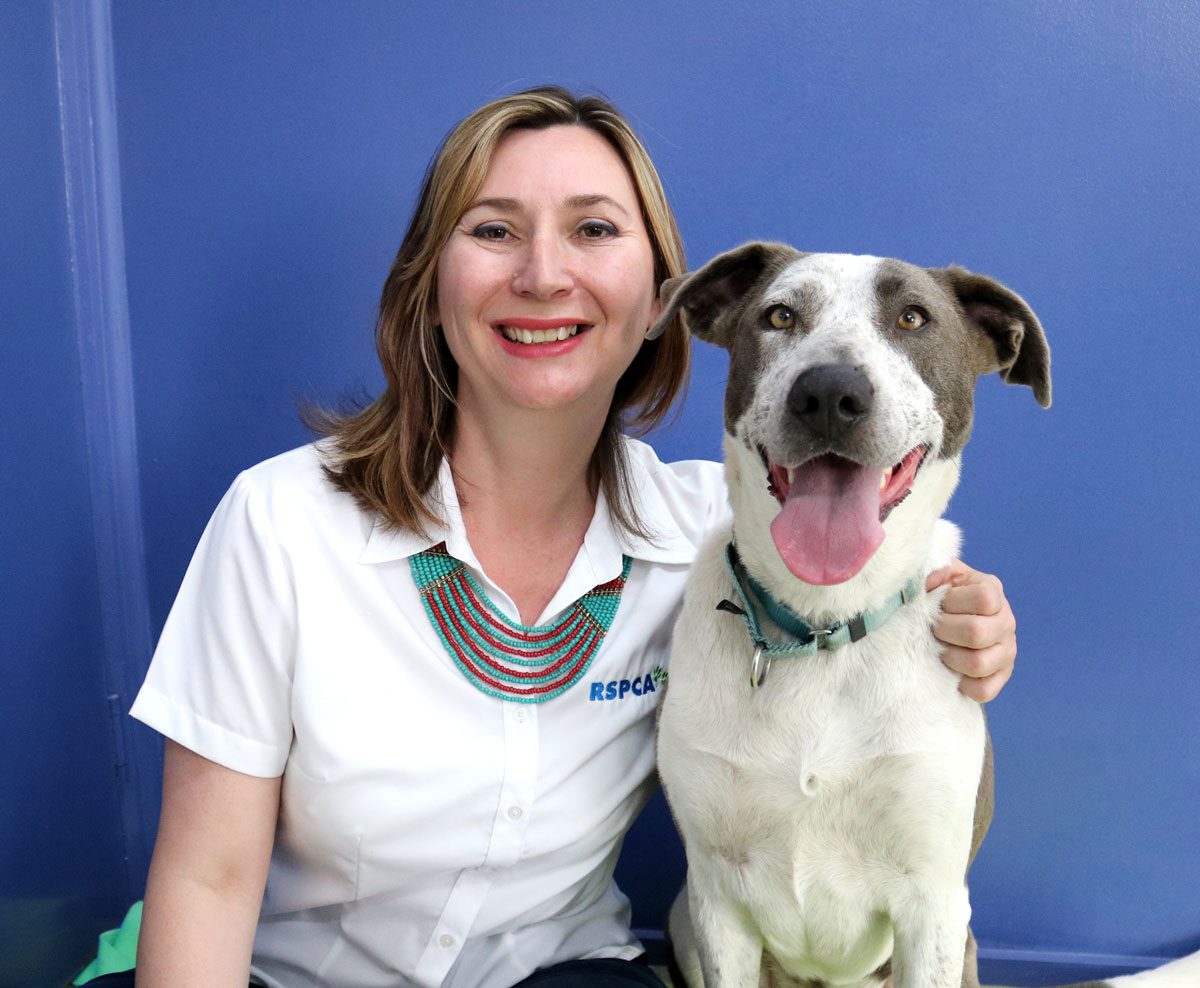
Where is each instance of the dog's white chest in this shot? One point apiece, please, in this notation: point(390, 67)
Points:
point(830, 798)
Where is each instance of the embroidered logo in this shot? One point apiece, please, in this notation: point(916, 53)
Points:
point(619, 689)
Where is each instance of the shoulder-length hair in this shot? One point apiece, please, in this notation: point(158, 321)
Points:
point(387, 454)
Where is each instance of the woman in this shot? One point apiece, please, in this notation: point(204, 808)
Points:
point(386, 681)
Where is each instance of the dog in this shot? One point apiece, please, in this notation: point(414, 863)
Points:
point(830, 782)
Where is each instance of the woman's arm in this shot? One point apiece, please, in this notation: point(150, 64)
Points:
point(978, 628)
point(207, 874)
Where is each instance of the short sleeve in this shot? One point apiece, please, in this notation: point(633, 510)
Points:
point(221, 677)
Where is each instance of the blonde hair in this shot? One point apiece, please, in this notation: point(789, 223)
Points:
point(387, 454)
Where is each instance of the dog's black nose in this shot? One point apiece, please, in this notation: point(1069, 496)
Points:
point(831, 398)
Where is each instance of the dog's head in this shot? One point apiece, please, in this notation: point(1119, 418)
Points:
point(851, 384)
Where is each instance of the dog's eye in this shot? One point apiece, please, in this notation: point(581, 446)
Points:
point(781, 317)
point(912, 318)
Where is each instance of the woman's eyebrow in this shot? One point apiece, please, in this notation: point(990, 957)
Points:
point(498, 204)
point(583, 201)
point(595, 199)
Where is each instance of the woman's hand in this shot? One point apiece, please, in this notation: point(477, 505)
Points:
point(978, 628)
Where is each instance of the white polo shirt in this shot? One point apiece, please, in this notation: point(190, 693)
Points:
point(429, 834)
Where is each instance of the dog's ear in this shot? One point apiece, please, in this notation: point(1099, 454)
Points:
point(707, 299)
point(1017, 344)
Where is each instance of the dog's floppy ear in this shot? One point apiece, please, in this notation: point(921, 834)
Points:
point(707, 299)
point(1017, 342)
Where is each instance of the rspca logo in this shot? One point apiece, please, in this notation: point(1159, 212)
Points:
point(618, 689)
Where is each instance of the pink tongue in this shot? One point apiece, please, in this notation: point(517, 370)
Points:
point(829, 526)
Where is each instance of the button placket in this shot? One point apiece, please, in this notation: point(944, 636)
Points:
point(516, 791)
point(448, 938)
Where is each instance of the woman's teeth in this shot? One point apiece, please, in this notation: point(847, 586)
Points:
point(538, 335)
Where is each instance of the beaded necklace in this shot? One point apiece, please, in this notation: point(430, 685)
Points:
point(527, 664)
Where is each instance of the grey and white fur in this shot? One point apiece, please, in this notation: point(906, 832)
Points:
point(830, 814)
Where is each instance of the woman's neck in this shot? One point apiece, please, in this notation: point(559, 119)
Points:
point(522, 481)
point(524, 469)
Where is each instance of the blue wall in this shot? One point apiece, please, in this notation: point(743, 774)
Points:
point(269, 154)
point(62, 853)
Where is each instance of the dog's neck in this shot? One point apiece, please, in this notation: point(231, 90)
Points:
point(906, 550)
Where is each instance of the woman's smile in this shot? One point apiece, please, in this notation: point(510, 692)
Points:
point(538, 338)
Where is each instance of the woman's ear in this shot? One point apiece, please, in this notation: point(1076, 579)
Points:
point(656, 308)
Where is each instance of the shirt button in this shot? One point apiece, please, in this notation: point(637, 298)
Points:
point(515, 813)
point(519, 716)
point(446, 940)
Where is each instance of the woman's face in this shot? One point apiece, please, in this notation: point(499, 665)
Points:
point(545, 288)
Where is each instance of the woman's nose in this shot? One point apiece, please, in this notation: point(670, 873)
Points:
point(543, 269)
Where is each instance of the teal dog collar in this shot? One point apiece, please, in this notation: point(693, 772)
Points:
point(809, 638)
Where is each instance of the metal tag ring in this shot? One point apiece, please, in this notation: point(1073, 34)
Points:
point(759, 665)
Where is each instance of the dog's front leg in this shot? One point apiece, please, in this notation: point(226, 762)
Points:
point(730, 949)
point(931, 938)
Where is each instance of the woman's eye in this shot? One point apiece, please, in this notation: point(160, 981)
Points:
point(912, 318)
point(781, 317)
point(596, 230)
point(490, 231)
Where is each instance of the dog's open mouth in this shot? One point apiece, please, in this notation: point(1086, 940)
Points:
point(832, 510)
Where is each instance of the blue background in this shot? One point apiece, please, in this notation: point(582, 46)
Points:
point(268, 155)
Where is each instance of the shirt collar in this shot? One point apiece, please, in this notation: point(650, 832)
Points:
point(387, 543)
point(604, 544)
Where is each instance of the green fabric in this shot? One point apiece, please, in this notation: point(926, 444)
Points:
point(118, 948)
